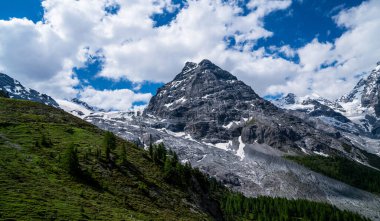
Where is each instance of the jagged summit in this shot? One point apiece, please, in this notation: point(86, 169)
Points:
point(189, 66)
point(367, 90)
point(15, 89)
point(205, 67)
point(289, 99)
point(362, 104)
point(201, 85)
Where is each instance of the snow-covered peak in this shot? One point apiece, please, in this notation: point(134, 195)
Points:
point(16, 90)
point(307, 103)
point(365, 94)
point(361, 105)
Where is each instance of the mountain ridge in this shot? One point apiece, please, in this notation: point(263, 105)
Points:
point(358, 109)
point(15, 89)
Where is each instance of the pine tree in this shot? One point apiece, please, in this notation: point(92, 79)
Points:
point(151, 151)
point(109, 144)
point(70, 160)
point(124, 153)
point(168, 169)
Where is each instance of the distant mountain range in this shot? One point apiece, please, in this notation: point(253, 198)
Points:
point(220, 125)
point(356, 114)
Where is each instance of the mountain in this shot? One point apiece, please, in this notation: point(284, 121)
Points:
point(213, 106)
point(362, 104)
point(14, 89)
point(57, 166)
point(354, 114)
point(221, 126)
point(315, 106)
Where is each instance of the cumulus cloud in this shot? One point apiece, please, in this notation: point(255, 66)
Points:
point(43, 54)
point(330, 69)
point(112, 99)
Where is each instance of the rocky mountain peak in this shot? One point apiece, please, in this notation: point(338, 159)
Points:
point(212, 106)
point(203, 92)
point(366, 91)
point(290, 98)
point(15, 89)
point(189, 66)
point(204, 70)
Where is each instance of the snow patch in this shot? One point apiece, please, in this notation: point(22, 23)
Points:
point(169, 104)
point(321, 154)
point(232, 123)
point(240, 152)
point(206, 96)
point(182, 100)
point(73, 108)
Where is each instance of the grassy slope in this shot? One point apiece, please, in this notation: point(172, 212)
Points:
point(345, 170)
point(33, 183)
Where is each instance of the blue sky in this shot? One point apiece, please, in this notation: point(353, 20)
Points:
point(278, 35)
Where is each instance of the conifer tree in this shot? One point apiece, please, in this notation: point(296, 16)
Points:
point(70, 160)
point(124, 153)
point(109, 144)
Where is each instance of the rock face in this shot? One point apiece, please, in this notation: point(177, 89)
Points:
point(213, 106)
point(15, 89)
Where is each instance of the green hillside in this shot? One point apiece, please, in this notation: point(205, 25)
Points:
point(58, 167)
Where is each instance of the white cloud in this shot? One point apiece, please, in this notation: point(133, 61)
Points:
point(314, 54)
point(112, 99)
point(355, 52)
point(43, 54)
